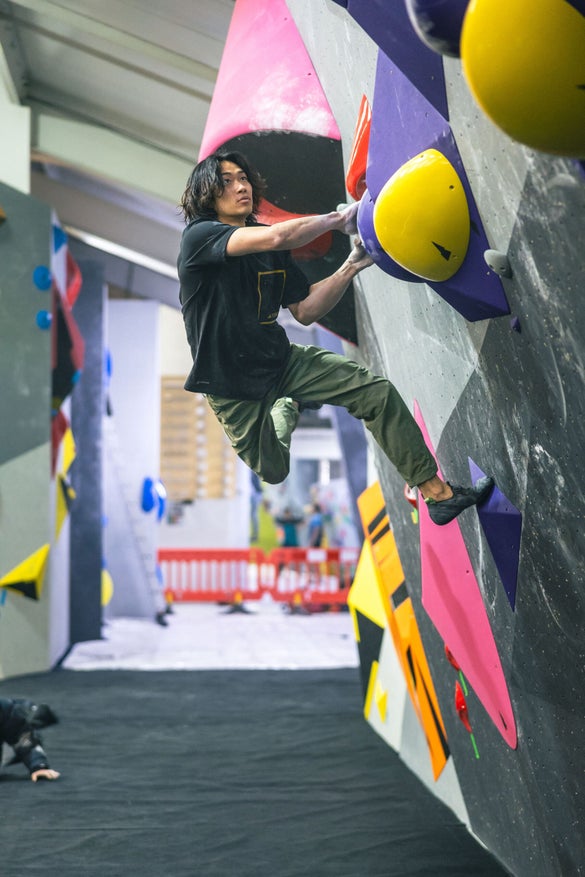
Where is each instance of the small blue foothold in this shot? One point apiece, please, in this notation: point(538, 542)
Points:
point(148, 495)
point(515, 324)
point(76, 376)
point(44, 319)
point(42, 278)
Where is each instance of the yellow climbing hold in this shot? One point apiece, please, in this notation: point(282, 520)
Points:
point(421, 217)
point(524, 63)
point(107, 587)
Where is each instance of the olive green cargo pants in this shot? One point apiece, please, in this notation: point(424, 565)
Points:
point(260, 431)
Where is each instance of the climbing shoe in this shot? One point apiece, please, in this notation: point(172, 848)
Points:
point(443, 511)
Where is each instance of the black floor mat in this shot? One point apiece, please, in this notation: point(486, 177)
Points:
point(221, 774)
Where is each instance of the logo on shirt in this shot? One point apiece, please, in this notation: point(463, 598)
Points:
point(270, 292)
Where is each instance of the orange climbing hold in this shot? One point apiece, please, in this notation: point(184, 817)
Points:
point(355, 179)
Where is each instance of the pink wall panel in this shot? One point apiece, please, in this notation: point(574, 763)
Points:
point(266, 79)
point(452, 597)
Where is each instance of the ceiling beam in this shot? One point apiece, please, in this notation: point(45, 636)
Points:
point(84, 23)
point(132, 279)
point(12, 66)
point(42, 99)
point(110, 58)
point(108, 155)
point(142, 236)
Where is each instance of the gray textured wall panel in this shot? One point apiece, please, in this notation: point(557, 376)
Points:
point(24, 348)
point(87, 412)
point(514, 403)
point(25, 462)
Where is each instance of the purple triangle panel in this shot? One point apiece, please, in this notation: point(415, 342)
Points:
point(404, 124)
point(502, 525)
point(388, 24)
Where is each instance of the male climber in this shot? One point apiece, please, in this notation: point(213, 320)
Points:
point(20, 722)
point(235, 274)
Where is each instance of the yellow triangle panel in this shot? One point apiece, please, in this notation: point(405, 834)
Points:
point(69, 450)
point(28, 577)
point(389, 695)
point(61, 510)
point(365, 594)
point(371, 689)
point(386, 569)
point(370, 641)
point(381, 698)
point(65, 498)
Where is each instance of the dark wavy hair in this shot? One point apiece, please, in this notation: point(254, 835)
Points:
point(206, 184)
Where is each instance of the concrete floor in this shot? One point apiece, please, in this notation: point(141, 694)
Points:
point(208, 637)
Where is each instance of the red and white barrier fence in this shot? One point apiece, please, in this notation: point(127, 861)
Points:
point(297, 576)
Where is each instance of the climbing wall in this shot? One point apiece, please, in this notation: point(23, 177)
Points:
point(35, 448)
point(474, 630)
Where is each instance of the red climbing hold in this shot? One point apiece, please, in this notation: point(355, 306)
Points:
point(461, 707)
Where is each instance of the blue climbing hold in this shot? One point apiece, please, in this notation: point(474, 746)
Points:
point(42, 278)
point(44, 319)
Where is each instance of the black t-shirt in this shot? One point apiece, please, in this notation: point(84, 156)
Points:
point(230, 305)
